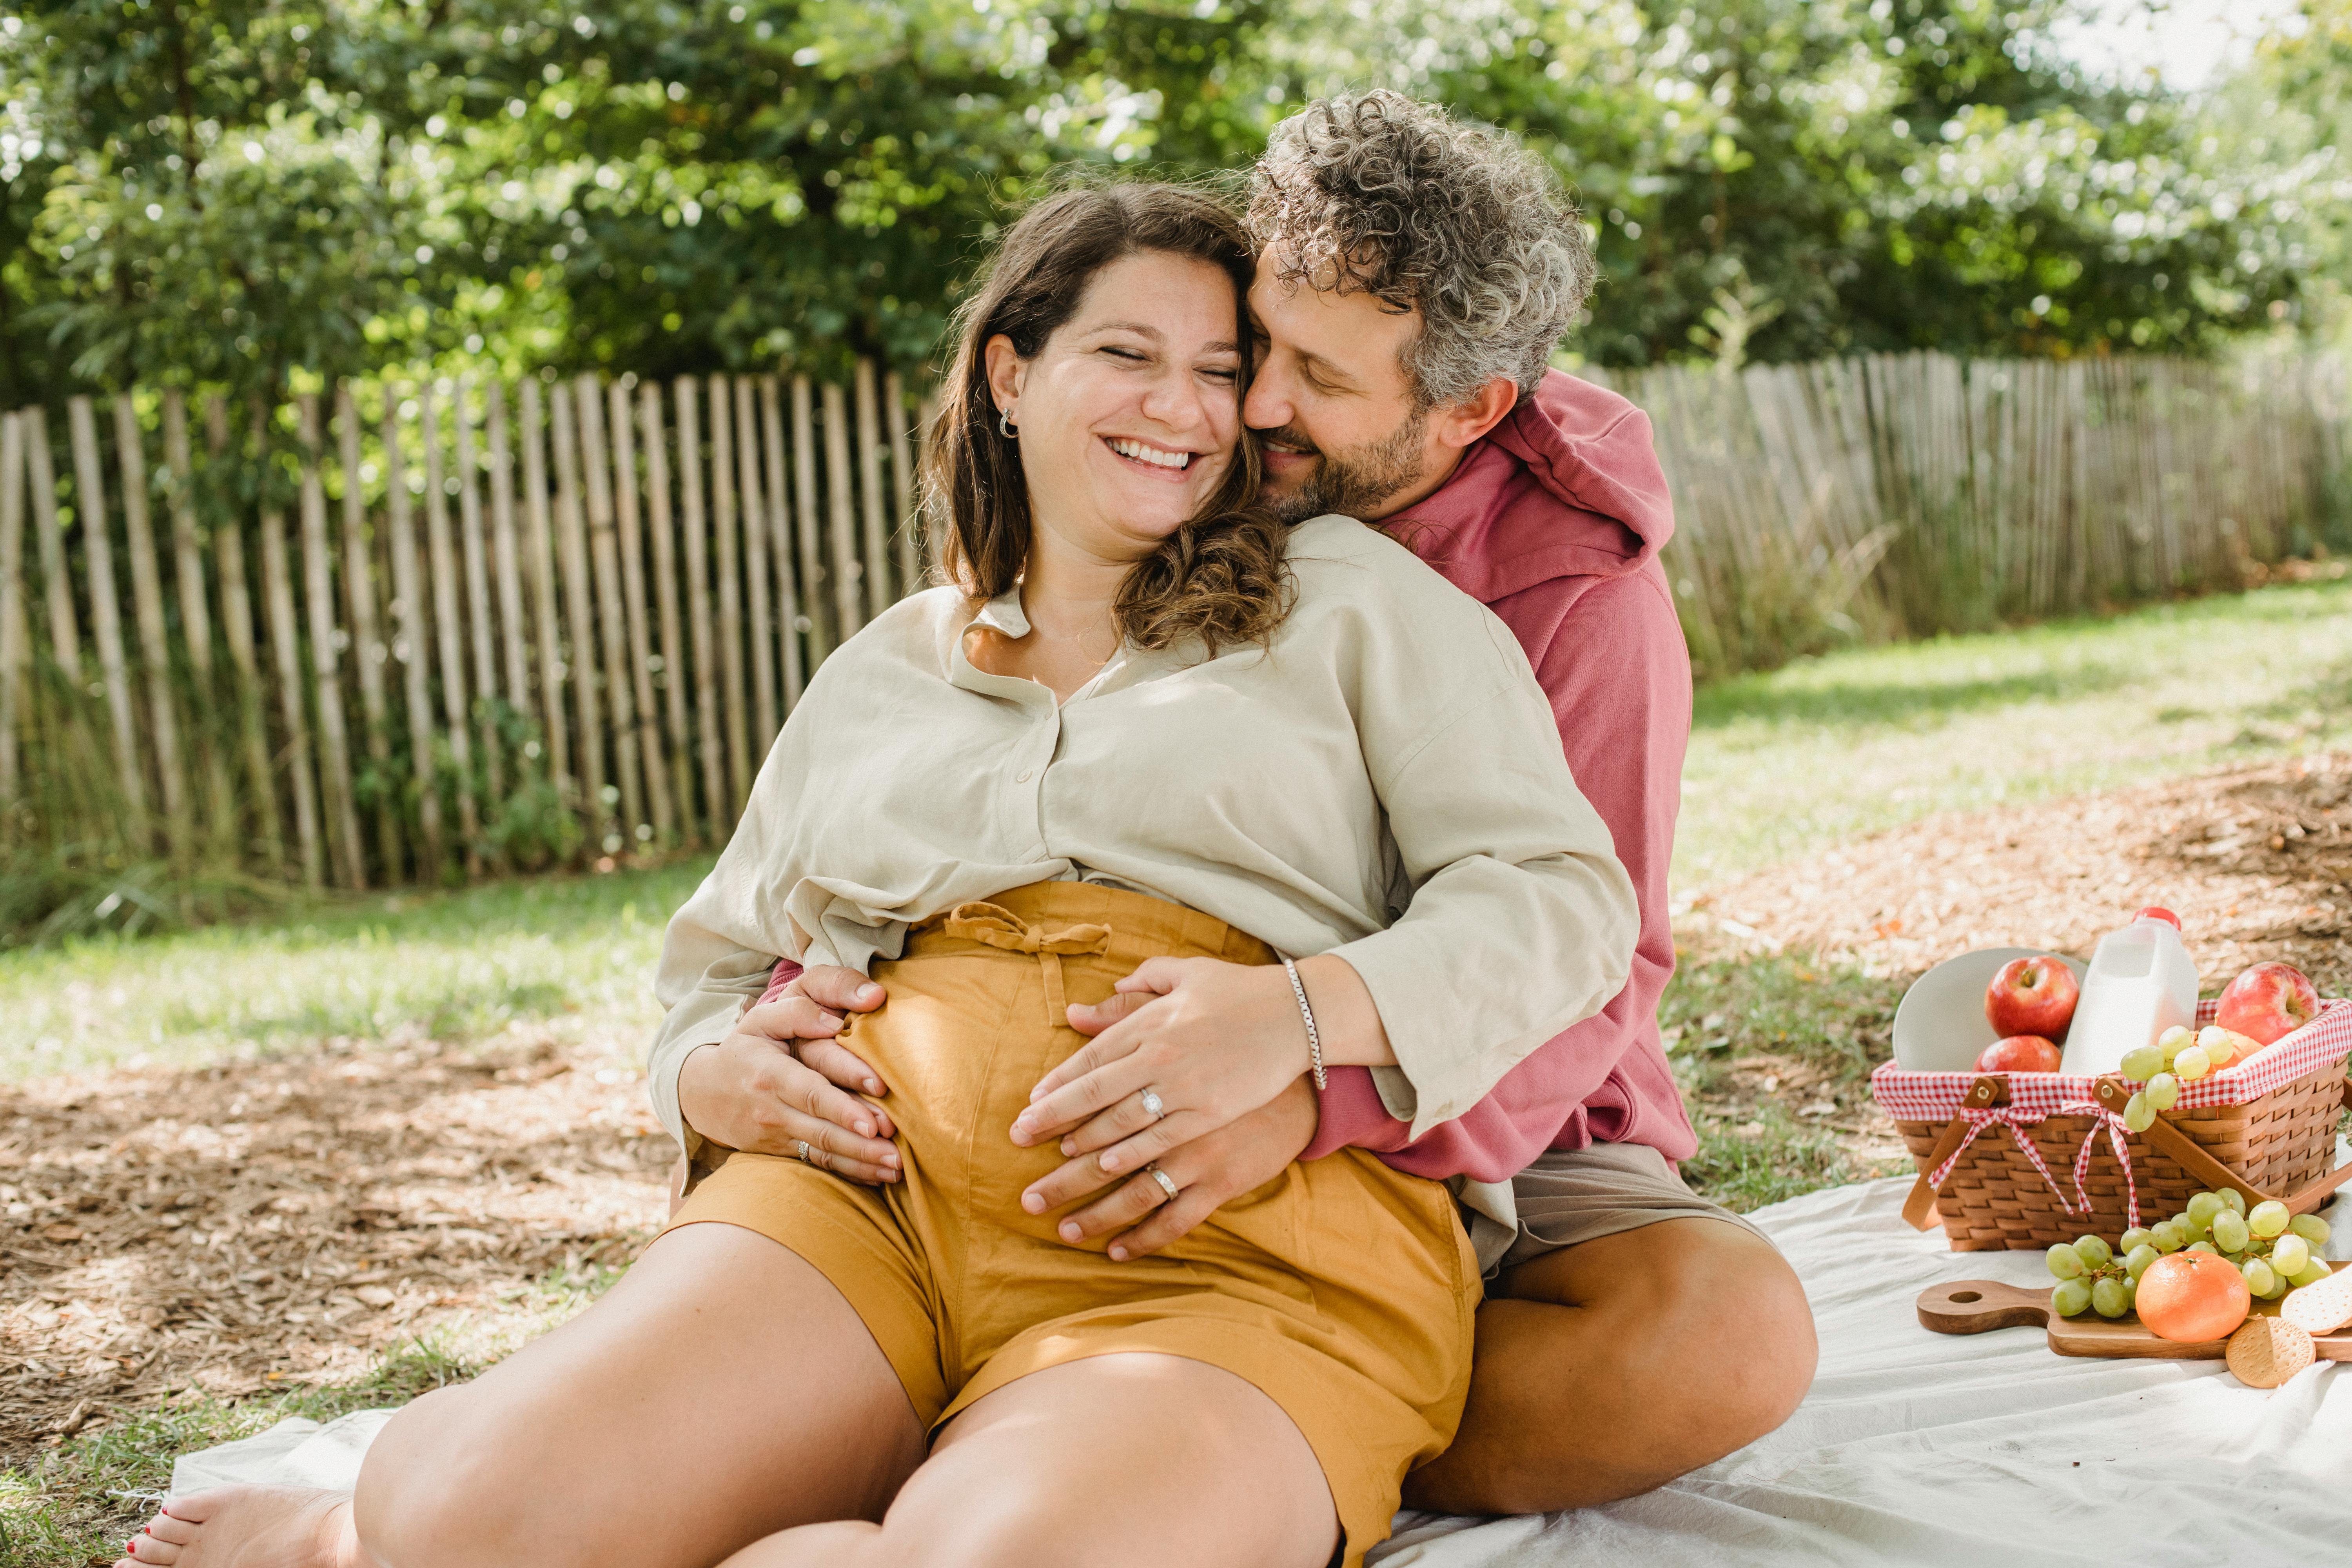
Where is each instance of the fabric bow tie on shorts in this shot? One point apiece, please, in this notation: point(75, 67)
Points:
point(1000, 927)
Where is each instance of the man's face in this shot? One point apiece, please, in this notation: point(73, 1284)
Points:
point(1332, 405)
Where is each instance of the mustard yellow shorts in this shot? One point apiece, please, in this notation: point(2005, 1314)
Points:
point(1342, 1289)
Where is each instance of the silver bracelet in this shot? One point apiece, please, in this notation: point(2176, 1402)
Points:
point(1314, 1040)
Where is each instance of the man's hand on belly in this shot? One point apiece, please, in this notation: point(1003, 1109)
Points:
point(752, 1091)
point(1238, 1157)
point(830, 986)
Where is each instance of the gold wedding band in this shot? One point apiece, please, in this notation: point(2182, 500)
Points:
point(1166, 1184)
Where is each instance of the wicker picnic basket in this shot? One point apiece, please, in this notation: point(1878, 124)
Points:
point(2009, 1162)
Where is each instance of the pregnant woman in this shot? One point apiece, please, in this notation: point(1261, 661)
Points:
point(1146, 728)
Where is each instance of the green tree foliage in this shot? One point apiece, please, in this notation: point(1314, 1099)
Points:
point(1831, 176)
point(241, 193)
point(203, 194)
point(809, 182)
point(2281, 129)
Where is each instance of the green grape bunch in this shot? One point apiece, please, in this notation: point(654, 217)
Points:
point(2274, 1251)
point(2175, 1058)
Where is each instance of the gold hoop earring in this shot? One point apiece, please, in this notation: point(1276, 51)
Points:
point(1004, 427)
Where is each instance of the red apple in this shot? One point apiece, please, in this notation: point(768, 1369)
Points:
point(2268, 1001)
point(2033, 996)
point(2018, 1053)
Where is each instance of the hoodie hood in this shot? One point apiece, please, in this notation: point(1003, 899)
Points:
point(1566, 486)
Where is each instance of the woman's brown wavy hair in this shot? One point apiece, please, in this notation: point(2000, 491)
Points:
point(1221, 577)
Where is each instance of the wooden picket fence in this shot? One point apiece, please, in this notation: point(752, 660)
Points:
point(1904, 495)
point(453, 628)
point(504, 627)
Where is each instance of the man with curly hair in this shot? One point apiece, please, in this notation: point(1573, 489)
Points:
point(1415, 275)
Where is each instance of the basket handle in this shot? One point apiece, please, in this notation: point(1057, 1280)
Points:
point(2112, 1095)
point(2312, 1196)
point(1988, 1090)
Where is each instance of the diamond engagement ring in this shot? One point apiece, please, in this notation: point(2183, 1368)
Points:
point(1166, 1184)
point(802, 1144)
point(1152, 1107)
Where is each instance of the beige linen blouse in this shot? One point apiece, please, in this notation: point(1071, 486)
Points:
point(1383, 782)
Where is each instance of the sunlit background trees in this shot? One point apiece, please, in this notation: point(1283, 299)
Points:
point(221, 192)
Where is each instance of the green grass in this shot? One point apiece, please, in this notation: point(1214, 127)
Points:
point(1829, 1024)
point(1784, 764)
point(576, 953)
point(80, 1503)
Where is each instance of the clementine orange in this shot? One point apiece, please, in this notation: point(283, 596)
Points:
point(2192, 1296)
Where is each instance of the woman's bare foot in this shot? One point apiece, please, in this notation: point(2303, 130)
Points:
point(249, 1527)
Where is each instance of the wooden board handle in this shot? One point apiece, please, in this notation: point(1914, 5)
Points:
point(1978, 1306)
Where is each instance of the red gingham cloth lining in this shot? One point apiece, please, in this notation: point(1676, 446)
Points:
point(1937, 1096)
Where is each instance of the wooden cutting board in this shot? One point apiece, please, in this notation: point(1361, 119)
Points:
point(1976, 1306)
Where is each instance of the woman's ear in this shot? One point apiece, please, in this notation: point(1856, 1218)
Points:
point(1005, 374)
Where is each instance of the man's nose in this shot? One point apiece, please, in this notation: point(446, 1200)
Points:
point(1267, 405)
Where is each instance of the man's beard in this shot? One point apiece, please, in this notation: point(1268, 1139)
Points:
point(1357, 482)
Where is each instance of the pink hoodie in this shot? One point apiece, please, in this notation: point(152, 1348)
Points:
point(1554, 522)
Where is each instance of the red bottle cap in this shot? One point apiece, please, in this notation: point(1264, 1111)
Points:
point(2158, 912)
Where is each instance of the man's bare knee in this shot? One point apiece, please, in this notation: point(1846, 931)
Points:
point(1715, 1306)
point(1745, 1337)
point(1682, 1341)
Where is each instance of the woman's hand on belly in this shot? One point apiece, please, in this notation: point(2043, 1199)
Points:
point(1207, 1173)
point(1217, 1041)
point(750, 1092)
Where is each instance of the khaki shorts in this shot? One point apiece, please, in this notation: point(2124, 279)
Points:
point(1569, 1196)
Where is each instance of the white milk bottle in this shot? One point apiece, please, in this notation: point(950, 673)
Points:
point(2141, 983)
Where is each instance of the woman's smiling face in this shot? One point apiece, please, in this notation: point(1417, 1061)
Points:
point(1128, 415)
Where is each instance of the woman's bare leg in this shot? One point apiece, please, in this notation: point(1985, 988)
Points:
point(1148, 1461)
point(722, 1392)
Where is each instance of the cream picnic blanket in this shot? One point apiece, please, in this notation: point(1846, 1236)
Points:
point(1913, 1449)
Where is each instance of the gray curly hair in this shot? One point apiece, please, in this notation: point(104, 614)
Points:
point(1381, 192)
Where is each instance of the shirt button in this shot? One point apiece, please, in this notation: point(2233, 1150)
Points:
point(1026, 774)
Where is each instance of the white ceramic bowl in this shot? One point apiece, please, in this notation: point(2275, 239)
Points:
point(1939, 1026)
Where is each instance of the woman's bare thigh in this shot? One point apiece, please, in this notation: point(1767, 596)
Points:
point(722, 1391)
point(1143, 1460)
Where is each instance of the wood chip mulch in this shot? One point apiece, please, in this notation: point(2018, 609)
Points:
point(277, 1223)
point(2257, 861)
